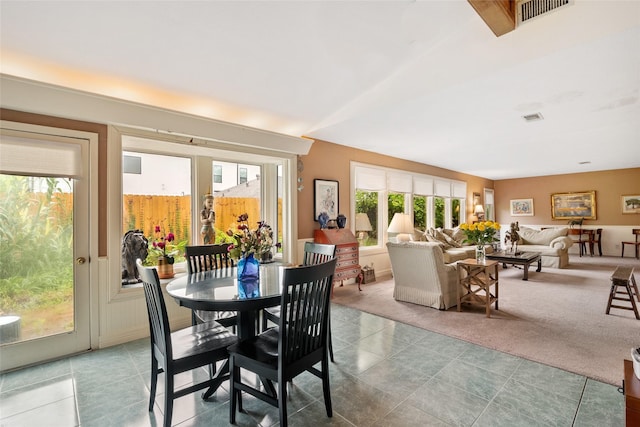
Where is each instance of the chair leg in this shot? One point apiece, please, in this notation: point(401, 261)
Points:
point(232, 381)
point(154, 382)
point(168, 398)
point(326, 389)
point(282, 402)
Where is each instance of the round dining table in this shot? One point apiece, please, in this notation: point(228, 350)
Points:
point(217, 290)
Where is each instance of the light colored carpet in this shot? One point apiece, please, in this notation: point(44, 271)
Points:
point(557, 317)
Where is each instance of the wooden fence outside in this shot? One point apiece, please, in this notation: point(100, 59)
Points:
point(173, 214)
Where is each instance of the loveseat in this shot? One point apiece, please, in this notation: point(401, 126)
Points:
point(451, 241)
point(552, 243)
point(421, 275)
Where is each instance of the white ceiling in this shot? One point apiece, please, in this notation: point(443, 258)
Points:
point(421, 80)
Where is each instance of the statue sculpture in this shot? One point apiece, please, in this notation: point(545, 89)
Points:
point(208, 220)
point(134, 245)
point(513, 237)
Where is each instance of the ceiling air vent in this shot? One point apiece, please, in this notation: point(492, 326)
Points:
point(532, 117)
point(530, 9)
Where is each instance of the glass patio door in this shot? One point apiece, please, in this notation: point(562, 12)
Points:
point(44, 246)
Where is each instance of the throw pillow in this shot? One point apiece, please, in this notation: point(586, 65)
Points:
point(440, 237)
point(448, 235)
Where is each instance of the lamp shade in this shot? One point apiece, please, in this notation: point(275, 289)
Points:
point(478, 209)
point(402, 225)
point(362, 222)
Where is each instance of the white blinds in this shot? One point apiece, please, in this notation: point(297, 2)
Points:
point(459, 190)
point(422, 186)
point(370, 179)
point(25, 156)
point(443, 188)
point(488, 197)
point(399, 182)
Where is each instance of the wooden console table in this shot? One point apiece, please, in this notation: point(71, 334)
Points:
point(476, 280)
point(631, 387)
point(347, 252)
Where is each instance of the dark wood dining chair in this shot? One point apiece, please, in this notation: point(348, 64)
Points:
point(635, 231)
point(595, 239)
point(183, 350)
point(205, 258)
point(298, 342)
point(579, 232)
point(314, 253)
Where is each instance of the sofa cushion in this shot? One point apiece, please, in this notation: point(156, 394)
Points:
point(457, 234)
point(419, 235)
point(436, 236)
point(445, 234)
point(530, 236)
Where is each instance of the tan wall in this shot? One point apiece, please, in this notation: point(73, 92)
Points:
point(331, 161)
point(608, 185)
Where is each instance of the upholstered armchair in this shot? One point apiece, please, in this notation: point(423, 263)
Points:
point(421, 275)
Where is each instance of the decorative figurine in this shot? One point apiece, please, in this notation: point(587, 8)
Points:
point(134, 245)
point(512, 236)
point(323, 219)
point(342, 221)
point(208, 219)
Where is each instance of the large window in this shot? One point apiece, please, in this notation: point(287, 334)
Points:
point(156, 194)
point(382, 192)
point(165, 188)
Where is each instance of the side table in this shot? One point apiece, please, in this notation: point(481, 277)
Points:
point(476, 280)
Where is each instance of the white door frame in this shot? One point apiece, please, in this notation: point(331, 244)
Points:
point(85, 334)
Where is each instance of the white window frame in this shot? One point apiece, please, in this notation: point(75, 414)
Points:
point(202, 152)
point(398, 181)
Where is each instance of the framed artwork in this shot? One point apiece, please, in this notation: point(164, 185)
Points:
point(631, 204)
point(521, 207)
point(573, 205)
point(325, 196)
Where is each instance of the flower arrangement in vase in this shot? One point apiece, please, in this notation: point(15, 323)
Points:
point(247, 241)
point(480, 234)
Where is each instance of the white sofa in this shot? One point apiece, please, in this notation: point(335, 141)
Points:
point(421, 275)
point(552, 243)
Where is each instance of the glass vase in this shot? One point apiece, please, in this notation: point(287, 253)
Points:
point(481, 254)
point(248, 277)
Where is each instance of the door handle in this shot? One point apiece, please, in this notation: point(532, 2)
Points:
point(81, 260)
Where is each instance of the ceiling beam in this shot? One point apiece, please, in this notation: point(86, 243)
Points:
point(499, 15)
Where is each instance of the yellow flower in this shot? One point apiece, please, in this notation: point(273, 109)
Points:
point(481, 227)
point(464, 226)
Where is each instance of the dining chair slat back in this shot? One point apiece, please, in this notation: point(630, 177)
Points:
point(180, 351)
point(295, 346)
point(204, 258)
point(207, 257)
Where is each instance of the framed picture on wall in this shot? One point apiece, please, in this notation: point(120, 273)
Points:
point(521, 207)
point(631, 204)
point(325, 196)
point(573, 205)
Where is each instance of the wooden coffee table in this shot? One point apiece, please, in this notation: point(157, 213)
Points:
point(525, 259)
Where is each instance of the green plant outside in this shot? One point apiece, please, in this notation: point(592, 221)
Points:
point(36, 235)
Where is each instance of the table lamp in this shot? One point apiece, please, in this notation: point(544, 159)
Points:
point(363, 225)
point(402, 225)
point(479, 212)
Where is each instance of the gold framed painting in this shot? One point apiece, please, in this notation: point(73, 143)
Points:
point(631, 204)
point(573, 205)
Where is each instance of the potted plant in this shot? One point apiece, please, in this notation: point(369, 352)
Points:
point(162, 252)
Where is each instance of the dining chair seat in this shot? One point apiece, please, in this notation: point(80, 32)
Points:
point(314, 253)
point(183, 350)
point(296, 345)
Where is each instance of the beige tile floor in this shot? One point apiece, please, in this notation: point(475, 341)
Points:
point(386, 374)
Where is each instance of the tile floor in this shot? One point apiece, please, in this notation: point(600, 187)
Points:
point(386, 374)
